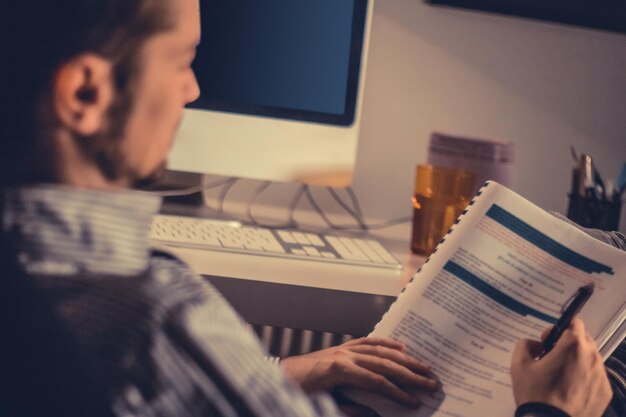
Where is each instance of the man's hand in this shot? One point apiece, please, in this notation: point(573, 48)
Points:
point(571, 377)
point(371, 364)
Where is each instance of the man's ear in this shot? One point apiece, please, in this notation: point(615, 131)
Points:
point(82, 93)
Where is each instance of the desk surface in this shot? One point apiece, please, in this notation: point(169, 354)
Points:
point(302, 294)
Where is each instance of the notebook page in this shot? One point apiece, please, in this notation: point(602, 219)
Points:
point(502, 274)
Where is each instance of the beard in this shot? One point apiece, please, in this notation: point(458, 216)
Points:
point(148, 182)
point(107, 154)
point(105, 148)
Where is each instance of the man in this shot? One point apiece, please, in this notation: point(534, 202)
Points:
point(93, 322)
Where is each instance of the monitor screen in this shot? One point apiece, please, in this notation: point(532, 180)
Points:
point(281, 91)
point(291, 59)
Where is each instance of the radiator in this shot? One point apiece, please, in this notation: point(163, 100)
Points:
point(282, 342)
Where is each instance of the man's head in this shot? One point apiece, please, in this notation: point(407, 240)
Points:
point(96, 89)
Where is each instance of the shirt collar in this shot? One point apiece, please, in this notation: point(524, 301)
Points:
point(59, 229)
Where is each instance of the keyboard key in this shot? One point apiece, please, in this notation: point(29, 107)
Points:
point(209, 240)
point(252, 245)
point(339, 244)
point(231, 243)
point(311, 251)
point(299, 252)
point(286, 237)
point(356, 253)
point(380, 250)
point(268, 242)
point(315, 240)
point(273, 247)
point(300, 238)
point(368, 251)
point(328, 255)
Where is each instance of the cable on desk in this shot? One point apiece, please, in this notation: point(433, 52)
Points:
point(291, 222)
point(355, 201)
point(389, 223)
point(224, 192)
point(303, 190)
point(382, 225)
point(320, 211)
point(355, 212)
point(264, 186)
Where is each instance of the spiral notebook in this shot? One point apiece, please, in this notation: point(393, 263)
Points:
point(502, 273)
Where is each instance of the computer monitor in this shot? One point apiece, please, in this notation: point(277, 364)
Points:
point(281, 89)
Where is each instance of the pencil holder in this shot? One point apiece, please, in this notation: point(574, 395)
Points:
point(594, 213)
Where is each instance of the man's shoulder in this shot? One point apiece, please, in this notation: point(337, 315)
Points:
point(101, 304)
point(612, 238)
point(172, 281)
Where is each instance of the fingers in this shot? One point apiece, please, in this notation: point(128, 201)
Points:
point(380, 365)
point(574, 337)
point(376, 341)
point(574, 340)
point(395, 356)
point(577, 327)
point(526, 351)
point(545, 333)
point(398, 374)
point(367, 380)
point(570, 377)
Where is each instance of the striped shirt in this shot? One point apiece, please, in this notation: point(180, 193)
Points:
point(119, 328)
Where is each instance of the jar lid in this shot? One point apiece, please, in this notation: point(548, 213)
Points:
point(472, 148)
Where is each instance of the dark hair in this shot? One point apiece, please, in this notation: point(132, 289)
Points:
point(41, 36)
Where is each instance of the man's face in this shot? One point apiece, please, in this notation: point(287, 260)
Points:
point(165, 84)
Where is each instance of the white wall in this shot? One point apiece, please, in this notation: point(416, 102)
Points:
point(542, 86)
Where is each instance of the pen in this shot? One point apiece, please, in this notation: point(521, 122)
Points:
point(578, 301)
point(585, 179)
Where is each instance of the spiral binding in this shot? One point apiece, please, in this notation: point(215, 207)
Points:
point(457, 221)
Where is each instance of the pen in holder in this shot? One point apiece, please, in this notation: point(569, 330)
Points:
point(591, 204)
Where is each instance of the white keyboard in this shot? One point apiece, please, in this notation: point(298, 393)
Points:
point(229, 236)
